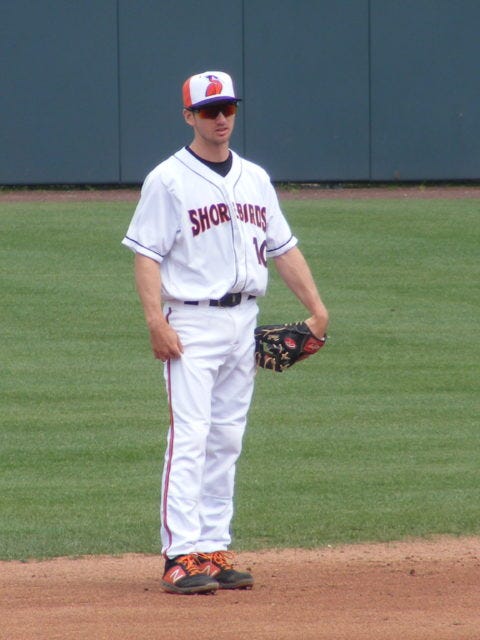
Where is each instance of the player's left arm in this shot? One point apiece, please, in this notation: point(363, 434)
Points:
point(296, 274)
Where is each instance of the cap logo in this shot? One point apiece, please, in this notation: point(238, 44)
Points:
point(215, 87)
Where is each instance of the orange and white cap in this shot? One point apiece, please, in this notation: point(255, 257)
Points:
point(207, 88)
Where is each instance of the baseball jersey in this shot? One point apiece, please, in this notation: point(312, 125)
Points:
point(211, 235)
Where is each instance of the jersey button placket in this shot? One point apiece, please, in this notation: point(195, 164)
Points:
point(239, 246)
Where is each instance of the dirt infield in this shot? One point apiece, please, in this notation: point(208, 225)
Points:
point(417, 590)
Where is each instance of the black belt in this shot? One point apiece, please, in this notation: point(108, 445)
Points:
point(228, 300)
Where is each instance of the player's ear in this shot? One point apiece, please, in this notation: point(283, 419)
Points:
point(189, 117)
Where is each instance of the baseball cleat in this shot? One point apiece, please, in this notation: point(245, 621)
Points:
point(219, 565)
point(182, 575)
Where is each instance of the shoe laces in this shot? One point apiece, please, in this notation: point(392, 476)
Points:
point(223, 559)
point(190, 563)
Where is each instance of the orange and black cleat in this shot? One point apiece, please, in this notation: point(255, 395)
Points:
point(184, 576)
point(219, 565)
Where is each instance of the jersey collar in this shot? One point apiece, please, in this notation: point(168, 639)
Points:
point(201, 169)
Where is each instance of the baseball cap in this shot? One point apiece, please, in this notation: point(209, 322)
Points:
point(208, 87)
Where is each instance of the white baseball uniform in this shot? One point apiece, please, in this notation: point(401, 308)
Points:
point(211, 236)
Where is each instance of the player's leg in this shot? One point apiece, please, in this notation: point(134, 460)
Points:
point(188, 392)
point(231, 397)
point(189, 379)
point(184, 457)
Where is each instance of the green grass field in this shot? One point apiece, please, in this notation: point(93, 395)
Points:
point(375, 439)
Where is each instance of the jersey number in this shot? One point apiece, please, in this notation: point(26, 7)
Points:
point(261, 252)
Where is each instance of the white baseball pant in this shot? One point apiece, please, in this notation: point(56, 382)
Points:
point(209, 391)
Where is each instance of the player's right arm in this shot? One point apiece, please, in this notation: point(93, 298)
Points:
point(164, 340)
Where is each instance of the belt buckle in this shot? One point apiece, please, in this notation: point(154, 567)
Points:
point(230, 300)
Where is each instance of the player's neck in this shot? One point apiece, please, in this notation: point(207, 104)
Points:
point(210, 152)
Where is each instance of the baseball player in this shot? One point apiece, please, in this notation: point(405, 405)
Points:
point(206, 223)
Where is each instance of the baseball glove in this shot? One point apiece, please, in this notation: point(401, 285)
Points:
point(279, 346)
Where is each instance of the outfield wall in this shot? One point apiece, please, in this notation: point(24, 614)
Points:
point(335, 90)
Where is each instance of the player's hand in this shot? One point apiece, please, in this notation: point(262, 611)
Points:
point(165, 342)
point(318, 324)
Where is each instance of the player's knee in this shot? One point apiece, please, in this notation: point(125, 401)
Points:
point(228, 439)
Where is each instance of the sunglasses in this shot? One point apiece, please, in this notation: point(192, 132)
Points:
point(211, 112)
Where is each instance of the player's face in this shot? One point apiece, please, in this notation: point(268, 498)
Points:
point(215, 131)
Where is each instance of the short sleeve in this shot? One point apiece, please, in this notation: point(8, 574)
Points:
point(154, 225)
